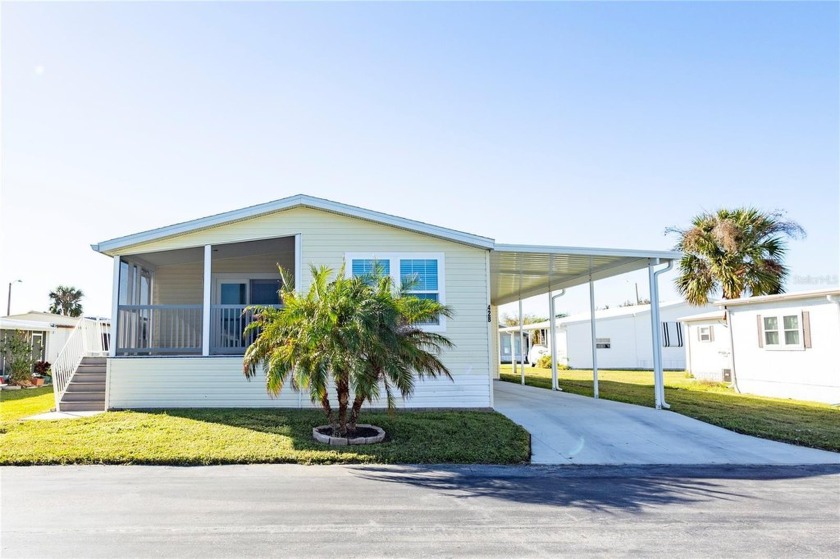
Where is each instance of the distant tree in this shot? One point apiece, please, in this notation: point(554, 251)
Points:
point(66, 301)
point(629, 303)
point(513, 320)
point(736, 252)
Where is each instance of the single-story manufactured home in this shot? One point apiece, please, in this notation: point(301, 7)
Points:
point(47, 332)
point(785, 346)
point(623, 340)
point(180, 295)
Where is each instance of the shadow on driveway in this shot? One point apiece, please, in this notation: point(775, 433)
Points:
point(597, 488)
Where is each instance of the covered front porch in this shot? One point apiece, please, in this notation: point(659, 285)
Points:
point(194, 301)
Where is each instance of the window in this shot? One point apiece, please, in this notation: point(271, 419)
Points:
point(672, 334)
point(602, 343)
point(705, 334)
point(421, 274)
point(782, 331)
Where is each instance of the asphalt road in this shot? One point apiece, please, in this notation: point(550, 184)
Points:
point(376, 511)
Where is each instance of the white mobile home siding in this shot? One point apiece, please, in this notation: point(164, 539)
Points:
point(325, 238)
point(630, 342)
point(707, 359)
point(805, 374)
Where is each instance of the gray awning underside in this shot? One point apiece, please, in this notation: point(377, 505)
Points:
point(522, 271)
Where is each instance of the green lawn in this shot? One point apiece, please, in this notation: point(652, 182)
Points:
point(239, 436)
point(793, 421)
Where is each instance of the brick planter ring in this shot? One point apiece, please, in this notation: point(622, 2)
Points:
point(344, 441)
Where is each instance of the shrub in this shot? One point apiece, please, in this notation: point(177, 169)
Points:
point(544, 362)
point(18, 352)
point(42, 367)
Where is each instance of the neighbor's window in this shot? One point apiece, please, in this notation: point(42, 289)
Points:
point(704, 333)
point(602, 343)
point(420, 273)
point(782, 331)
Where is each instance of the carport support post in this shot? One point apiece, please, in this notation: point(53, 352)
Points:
point(552, 331)
point(513, 351)
point(656, 333)
point(521, 345)
point(592, 327)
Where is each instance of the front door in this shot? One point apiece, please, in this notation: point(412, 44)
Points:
point(232, 297)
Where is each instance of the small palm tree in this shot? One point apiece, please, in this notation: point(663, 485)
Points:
point(734, 252)
point(354, 333)
point(66, 301)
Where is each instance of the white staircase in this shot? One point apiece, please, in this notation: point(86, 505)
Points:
point(79, 373)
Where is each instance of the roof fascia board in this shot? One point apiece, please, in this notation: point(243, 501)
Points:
point(782, 297)
point(588, 251)
point(299, 200)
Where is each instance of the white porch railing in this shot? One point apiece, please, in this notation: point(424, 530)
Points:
point(227, 328)
point(90, 338)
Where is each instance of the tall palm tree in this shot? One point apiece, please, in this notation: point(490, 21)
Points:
point(66, 301)
point(353, 333)
point(735, 252)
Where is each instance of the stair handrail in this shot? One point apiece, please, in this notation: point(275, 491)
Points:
point(85, 340)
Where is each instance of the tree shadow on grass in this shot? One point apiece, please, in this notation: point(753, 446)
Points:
point(416, 437)
point(610, 489)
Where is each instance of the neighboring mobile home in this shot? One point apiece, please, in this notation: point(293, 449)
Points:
point(787, 345)
point(623, 337)
point(48, 332)
point(180, 294)
point(708, 347)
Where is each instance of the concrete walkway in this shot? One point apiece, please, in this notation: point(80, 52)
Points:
point(571, 429)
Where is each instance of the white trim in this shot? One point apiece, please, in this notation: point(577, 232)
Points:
point(298, 262)
point(208, 276)
point(394, 263)
point(780, 318)
point(493, 351)
point(816, 294)
point(299, 200)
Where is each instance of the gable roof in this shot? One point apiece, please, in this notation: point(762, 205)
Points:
point(296, 201)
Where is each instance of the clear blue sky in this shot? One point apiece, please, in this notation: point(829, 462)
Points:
point(592, 124)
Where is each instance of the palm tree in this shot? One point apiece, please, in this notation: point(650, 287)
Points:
point(355, 333)
point(735, 252)
point(66, 301)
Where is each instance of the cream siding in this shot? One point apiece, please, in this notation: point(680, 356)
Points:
point(325, 239)
point(218, 382)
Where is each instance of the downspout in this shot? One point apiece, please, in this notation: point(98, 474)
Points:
point(728, 316)
point(659, 377)
point(553, 330)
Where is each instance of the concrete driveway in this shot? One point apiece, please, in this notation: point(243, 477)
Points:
point(571, 429)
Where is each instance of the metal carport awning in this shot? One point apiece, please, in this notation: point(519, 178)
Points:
point(522, 271)
point(518, 272)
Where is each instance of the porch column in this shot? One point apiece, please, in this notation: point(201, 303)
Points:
point(208, 272)
point(115, 309)
point(592, 328)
